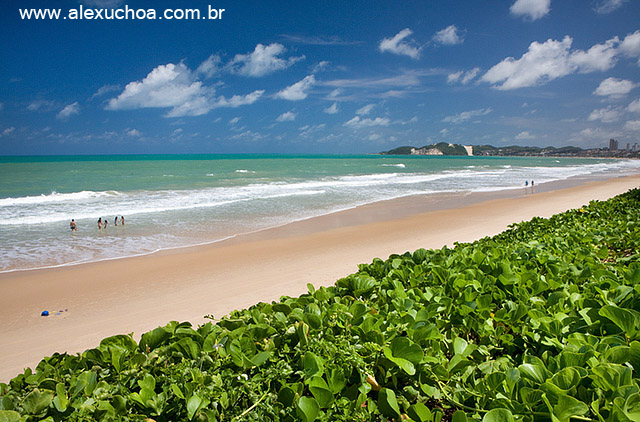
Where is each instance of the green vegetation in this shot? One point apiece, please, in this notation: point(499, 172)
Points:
point(539, 323)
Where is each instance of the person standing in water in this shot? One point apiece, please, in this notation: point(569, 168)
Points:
point(115, 221)
point(73, 226)
point(122, 220)
point(99, 223)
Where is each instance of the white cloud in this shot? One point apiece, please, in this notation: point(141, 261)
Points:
point(397, 45)
point(323, 65)
point(630, 46)
point(175, 87)
point(634, 107)
point(238, 100)
point(234, 120)
point(262, 61)
point(363, 111)
point(532, 9)
point(209, 67)
point(608, 6)
point(166, 86)
point(606, 115)
point(69, 111)
point(463, 77)
point(105, 90)
point(333, 109)
point(357, 122)
point(544, 62)
point(133, 132)
point(467, 115)
point(524, 136)
point(443, 132)
point(633, 125)
point(336, 92)
point(297, 91)
point(289, 116)
point(449, 36)
point(614, 88)
point(40, 105)
point(599, 57)
point(7, 131)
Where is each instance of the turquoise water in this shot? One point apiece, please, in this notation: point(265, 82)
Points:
point(178, 200)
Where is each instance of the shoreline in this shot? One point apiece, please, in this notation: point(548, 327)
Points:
point(137, 294)
point(417, 203)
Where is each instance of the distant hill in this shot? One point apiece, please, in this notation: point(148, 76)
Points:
point(444, 148)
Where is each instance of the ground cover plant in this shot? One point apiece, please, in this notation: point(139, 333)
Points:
point(539, 323)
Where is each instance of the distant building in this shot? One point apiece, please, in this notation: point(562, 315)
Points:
point(628, 146)
point(613, 144)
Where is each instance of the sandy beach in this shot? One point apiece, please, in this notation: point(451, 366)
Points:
point(135, 295)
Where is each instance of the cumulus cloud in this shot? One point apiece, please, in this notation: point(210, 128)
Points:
point(544, 62)
point(449, 36)
point(263, 60)
point(614, 88)
point(467, 115)
point(633, 125)
point(630, 46)
point(133, 132)
point(333, 109)
point(167, 86)
point(69, 111)
point(357, 122)
point(606, 115)
point(463, 77)
point(608, 6)
point(8, 131)
point(524, 135)
point(289, 116)
point(209, 67)
point(398, 45)
point(38, 105)
point(297, 91)
point(531, 9)
point(634, 107)
point(177, 88)
point(363, 111)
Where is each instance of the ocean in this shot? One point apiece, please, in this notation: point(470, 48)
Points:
point(172, 201)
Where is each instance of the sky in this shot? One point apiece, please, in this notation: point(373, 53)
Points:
point(336, 77)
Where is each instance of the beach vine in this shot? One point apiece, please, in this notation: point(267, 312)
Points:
point(539, 323)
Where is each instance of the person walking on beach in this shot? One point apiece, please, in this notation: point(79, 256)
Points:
point(99, 223)
point(73, 226)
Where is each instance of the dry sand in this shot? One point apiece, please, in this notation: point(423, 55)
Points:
point(135, 295)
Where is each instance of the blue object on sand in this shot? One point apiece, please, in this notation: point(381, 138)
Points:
point(44, 313)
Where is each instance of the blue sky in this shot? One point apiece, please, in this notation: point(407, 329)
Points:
point(319, 77)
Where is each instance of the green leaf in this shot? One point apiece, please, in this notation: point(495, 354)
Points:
point(60, 401)
point(404, 353)
point(567, 407)
point(459, 416)
point(566, 378)
point(498, 415)
point(536, 373)
point(419, 413)
point(388, 404)
point(194, 404)
point(321, 391)
point(10, 416)
point(312, 365)
point(627, 320)
point(307, 409)
point(37, 401)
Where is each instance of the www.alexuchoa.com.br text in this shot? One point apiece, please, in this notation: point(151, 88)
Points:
point(123, 13)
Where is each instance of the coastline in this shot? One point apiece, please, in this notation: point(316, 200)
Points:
point(135, 295)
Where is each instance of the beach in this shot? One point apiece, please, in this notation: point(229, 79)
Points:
point(89, 302)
